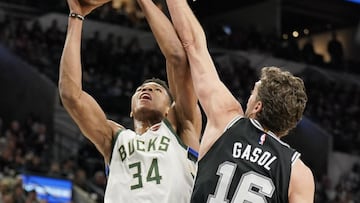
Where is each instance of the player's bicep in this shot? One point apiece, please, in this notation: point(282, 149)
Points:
point(91, 120)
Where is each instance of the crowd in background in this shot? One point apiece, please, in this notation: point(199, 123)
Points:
point(347, 190)
point(112, 69)
point(25, 148)
point(254, 40)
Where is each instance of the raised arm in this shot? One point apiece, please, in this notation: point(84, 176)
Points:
point(81, 106)
point(217, 101)
point(187, 117)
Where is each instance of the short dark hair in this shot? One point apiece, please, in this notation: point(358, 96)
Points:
point(163, 84)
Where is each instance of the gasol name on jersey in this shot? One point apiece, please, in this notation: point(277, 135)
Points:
point(160, 143)
point(253, 154)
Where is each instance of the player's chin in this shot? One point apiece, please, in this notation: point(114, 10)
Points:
point(144, 107)
point(144, 104)
point(146, 113)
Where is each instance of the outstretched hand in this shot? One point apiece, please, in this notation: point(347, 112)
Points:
point(84, 7)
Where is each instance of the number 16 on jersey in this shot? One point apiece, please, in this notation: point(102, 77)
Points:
point(252, 187)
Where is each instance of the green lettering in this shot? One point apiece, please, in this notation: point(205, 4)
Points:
point(153, 173)
point(164, 143)
point(131, 147)
point(152, 144)
point(140, 145)
point(136, 175)
point(122, 152)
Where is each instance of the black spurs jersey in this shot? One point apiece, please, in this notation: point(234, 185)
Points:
point(245, 165)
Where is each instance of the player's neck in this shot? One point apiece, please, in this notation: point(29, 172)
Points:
point(142, 126)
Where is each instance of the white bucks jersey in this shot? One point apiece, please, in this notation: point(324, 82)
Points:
point(152, 167)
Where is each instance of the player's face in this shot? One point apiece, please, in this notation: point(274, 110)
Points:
point(150, 98)
point(253, 105)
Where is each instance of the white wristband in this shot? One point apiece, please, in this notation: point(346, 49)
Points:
point(78, 16)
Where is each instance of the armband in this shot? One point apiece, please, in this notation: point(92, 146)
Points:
point(76, 15)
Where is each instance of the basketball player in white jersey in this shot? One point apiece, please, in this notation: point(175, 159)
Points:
point(153, 163)
point(241, 157)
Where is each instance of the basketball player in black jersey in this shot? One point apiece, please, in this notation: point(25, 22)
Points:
point(242, 158)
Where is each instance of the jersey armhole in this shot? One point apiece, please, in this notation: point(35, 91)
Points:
point(168, 124)
point(113, 141)
point(295, 157)
point(192, 153)
point(232, 122)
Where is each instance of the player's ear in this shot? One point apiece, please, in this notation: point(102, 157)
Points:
point(167, 111)
point(258, 106)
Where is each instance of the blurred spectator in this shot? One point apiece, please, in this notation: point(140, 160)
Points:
point(14, 130)
point(7, 162)
point(80, 179)
point(34, 164)
point(38, 142)
point(6, 190)
point(336, 52)
point(19, 193)
point(31, 197)
point(309, 55)
point(55, 170)
point(100, 179)
point(292, 50)
point(68, 168)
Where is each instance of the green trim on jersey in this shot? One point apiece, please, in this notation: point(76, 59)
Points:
point(168, 124)
point(113, 141)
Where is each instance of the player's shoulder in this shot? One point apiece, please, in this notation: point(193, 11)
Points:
point(116, 128)
point(302, 184)
point(301, 169)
